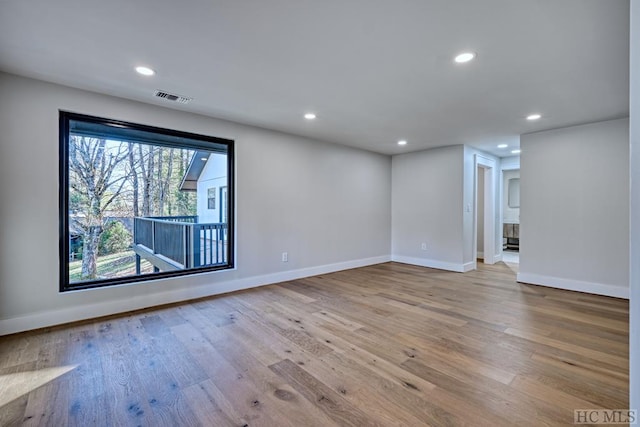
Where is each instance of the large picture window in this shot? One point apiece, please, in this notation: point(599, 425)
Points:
point(134, 202)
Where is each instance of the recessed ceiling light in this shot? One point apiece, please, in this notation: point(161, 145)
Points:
point(503, 146)
point(464, 57)
point(515, 151)
point(309, 116)
point(204, 159)
point(145, 71)
point(533, 116)
point(402, 142)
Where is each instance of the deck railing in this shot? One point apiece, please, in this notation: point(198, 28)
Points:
point(172, 243)
point(185, 218)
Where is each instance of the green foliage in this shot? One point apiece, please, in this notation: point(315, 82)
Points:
point(75, 247)
point(186, 203)
point(114, 238)
point(77, 201)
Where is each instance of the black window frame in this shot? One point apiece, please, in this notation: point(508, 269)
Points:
point(203, 142)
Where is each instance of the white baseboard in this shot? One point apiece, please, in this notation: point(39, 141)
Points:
point(574, 285)
point(496, 258)
point(106, 308)
point(469, 266)
point(431, 263)
point(480, 255)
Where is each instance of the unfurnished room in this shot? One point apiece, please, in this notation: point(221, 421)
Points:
point(335, 213)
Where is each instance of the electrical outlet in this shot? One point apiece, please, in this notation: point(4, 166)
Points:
point(423, 246)
point(285, 257)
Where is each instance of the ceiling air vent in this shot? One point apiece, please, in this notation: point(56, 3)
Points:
point(172, 97)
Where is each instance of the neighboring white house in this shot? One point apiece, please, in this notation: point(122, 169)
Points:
point(207, 174)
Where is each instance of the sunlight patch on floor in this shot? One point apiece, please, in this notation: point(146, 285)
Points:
point(20, 383)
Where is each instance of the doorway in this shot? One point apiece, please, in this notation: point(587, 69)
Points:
point(510, 207)
point(485, 218)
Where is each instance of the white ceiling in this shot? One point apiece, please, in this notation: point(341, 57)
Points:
point(374, 71)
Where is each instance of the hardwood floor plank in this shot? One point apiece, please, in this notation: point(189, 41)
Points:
point(158, 388)
point(205, 406)
point(277, 394)
point(425, 313)
point(584, 370)
point(553, 396)
point(346, 381)
point(406, 402)
point(600, 356)
point(85, 401)
point(48, 405)
point(237, 389)
point(336, 407)
point(336, 319)
point(492, 396)
point(12, 413)
point(120, 385)
point(453, 363)
point(292, 294)
point(613, 321)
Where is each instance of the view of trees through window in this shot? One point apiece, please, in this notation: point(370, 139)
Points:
point(140, 205)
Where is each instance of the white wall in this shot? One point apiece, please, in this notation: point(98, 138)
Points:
point(509, 215)
point(214, 175)
point(574, 217)
point(510, 163)
point(328, 206)
point(427, 208)
point(634, 332)
point(433, 202)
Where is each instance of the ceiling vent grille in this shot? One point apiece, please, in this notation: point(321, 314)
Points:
point(172, 97)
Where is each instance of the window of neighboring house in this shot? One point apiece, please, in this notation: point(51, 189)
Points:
point(135, 202)
point(211, 198)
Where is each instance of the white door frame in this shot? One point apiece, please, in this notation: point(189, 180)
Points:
point(489, 247)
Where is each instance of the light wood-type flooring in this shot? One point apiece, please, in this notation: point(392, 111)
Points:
point(386, 345)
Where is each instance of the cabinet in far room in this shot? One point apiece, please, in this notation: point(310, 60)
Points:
point(511, 237)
